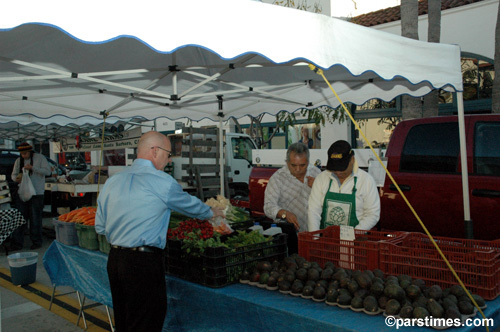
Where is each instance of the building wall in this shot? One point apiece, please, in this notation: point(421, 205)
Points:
point(471, 26)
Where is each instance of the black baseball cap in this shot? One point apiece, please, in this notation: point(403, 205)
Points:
point(339, 156)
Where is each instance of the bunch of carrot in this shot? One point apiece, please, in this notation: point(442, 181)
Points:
point(84, 215)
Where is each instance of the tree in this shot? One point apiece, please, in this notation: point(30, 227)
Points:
point(431, 101)
point(319, 115)
point(495, 98)
point(411, 106)
point(301, 5)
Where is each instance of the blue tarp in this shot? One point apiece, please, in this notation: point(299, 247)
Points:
point(81, 269)
point(242, 308)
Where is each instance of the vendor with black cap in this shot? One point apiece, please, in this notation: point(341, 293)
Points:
point(343, 194)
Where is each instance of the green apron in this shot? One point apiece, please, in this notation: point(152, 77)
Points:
point(339, 209)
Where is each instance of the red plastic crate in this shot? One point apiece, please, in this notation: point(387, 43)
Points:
point(476, 262)
point(361, 254)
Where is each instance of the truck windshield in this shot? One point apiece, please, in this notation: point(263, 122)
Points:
point(242, 148)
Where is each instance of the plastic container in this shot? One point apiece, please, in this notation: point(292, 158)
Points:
point(87, 237)
point(104, 245)
point(361, 254)
point(241, 225)
point(273, 230)
point(218, 267)
point(476, 262)
point(23, 267)
point(257, 227)
point(65, 232)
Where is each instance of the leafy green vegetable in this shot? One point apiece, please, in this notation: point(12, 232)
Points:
point(244, 239)
point(194, 244)
point(236, 214)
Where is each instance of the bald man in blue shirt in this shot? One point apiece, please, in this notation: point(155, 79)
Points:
point(133, 212)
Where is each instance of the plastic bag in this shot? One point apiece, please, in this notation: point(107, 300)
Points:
point(221, 226)
point(26, 189)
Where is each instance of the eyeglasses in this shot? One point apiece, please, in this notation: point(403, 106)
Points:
point(169, 152)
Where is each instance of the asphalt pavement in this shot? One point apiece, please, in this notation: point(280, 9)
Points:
point(26, 308)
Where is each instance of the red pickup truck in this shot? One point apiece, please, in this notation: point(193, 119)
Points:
point(423, 156)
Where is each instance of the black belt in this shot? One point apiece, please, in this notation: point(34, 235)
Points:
point(139, 249)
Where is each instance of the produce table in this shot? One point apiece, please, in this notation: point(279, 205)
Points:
point(238, 307)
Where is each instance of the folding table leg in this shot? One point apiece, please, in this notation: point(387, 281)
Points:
point(52, 297)
point(81, 312)
point(54, 286)
point(110, 321)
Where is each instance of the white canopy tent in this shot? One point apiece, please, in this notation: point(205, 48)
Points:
point(28, 127)
point(202, 59)
point(173, 58)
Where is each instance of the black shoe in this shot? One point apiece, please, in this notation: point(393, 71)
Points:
point(35, 246)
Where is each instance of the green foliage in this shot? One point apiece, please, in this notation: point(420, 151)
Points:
point(390, 122)
point(194, 244)
point(236, 214)
point(319, 115)
point(244, 239)
point(301, 5)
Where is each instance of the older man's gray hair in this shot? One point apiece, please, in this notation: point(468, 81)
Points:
point(299, 149)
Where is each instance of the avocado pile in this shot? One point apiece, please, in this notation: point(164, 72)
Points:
point(369, 291)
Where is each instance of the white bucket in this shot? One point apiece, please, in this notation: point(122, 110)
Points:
point(21, 259)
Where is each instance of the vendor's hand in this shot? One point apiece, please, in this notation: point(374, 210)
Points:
point(292, 218)
point(218, 212)
point(29, 167)
point(310, 181)
point(19, 177)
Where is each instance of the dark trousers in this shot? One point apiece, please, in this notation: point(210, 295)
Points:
point(138, 289)
point(32, 211)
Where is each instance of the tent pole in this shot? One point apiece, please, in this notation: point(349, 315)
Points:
point(221, 156)
point(469, 228)
point(174, 75)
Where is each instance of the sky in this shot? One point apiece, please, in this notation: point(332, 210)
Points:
point(351, 8)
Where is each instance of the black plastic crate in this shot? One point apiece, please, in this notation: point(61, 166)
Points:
point(242, 225)
point(219, 267)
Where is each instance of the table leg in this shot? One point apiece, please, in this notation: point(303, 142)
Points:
point(54, 295)
point(110, 321)
point(81, 312)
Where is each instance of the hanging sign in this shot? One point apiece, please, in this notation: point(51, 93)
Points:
point(124, 140)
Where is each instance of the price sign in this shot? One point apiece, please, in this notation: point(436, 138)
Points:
point(347, 233)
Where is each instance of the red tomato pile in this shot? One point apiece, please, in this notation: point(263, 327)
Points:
point(185, 227)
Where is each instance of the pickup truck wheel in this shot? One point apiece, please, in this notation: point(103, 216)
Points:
point(239, 190)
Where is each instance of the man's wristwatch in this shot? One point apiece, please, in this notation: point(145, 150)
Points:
point(283, 215)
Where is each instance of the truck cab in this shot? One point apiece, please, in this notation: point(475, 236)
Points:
point(239, 158)
point(195, 161)
point(423, 156)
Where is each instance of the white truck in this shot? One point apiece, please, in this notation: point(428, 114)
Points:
point(195, 161)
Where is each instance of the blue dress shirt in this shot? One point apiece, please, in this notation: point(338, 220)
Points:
point(134, 206)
